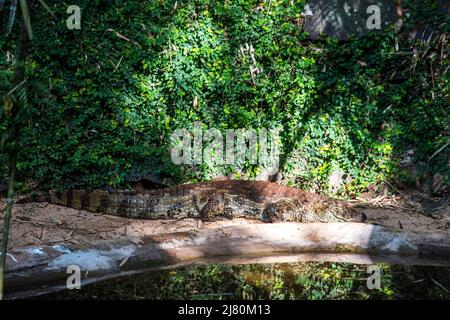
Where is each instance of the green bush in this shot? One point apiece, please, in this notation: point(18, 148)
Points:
point(111, 93)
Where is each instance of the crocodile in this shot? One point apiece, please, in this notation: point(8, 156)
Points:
point(265, 201)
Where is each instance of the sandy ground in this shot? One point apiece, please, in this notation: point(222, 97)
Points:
point(42, 223)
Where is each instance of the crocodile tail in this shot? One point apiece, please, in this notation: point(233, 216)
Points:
point(94, 201)
point(37, 198)
point(54, 197)
point(97, 201)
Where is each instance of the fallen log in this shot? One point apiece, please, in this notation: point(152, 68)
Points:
point(37, 270)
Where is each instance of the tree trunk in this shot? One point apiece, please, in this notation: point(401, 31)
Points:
point(6, 221)
point(12, 147)
point(37, 270)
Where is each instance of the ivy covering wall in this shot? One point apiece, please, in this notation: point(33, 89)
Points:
point(104, 99)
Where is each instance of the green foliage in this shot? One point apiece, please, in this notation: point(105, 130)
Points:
point(111, 93)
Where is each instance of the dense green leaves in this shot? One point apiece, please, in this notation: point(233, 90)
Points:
point(110, 94)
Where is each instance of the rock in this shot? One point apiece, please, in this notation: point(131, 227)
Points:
point(263, 176)
point(266, 174)
point(438, 187)
point(341, 19)
point(277, 177)
point(145, 180)
point(336, 181)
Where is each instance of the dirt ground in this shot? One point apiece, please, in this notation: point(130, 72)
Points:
point(47, 224)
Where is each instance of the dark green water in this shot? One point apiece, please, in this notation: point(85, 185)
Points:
point(312, 280)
